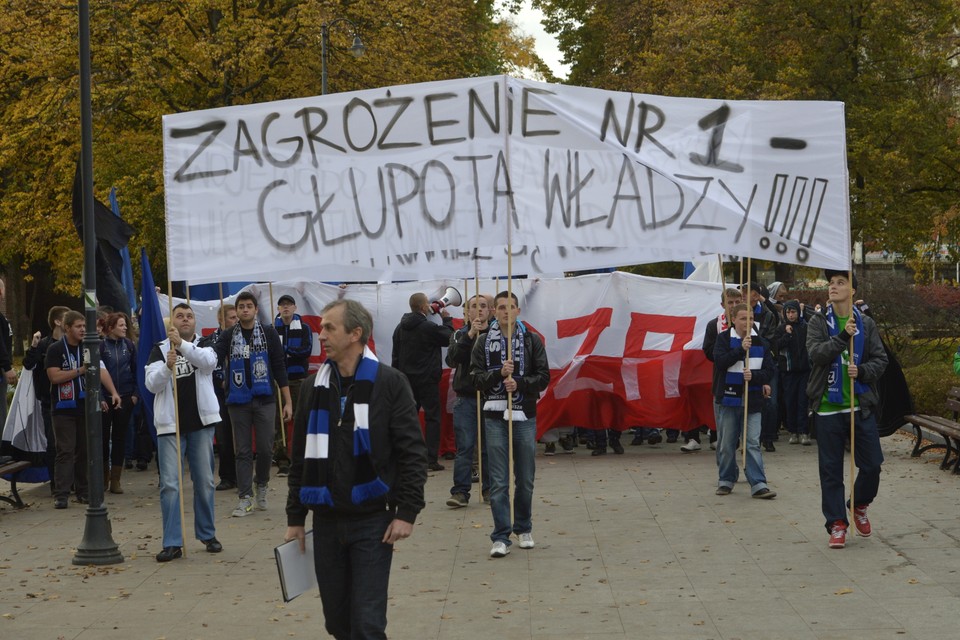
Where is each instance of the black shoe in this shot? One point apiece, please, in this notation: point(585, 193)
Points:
point(671, 439)
point(637, 441)
point(435, 466)
point(213, 546)
point(449, 455)
point(599, 451)
point(169, 553)
point(768, 446)
point(566, 444)
point(474, 476)
point(60, 503)
point(128, 464)
point(226, 485)
point(655, 438)
point(82, 499)
point(141, 465)
point(617, 447)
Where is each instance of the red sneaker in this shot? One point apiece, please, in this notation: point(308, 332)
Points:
point(861, 522)
point(838, 535)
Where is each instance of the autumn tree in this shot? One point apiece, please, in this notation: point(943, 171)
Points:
point(152, 58)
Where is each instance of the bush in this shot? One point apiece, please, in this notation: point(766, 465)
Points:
point(928, 384)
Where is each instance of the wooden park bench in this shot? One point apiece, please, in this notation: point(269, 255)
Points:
point(10, 471)
point(946, 428)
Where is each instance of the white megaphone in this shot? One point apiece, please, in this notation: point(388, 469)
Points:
point(450, 298)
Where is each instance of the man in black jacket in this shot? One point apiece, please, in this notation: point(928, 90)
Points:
point(509, 366)
point(253, 361)
point(416, 352)
point(359, 463)
point(477, 312)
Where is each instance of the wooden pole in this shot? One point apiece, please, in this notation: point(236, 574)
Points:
point(276, 387)
point(233, 434)
point(746, 365)
point(853, 396)
point(176, 430)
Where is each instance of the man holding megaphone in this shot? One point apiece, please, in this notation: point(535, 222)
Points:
point(416, 352)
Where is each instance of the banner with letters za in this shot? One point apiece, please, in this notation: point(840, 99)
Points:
point(441, 178)
point(623, 350)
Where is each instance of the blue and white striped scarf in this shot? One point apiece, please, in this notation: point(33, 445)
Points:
point(733, 381)
point(367, 485)
point(495, 352)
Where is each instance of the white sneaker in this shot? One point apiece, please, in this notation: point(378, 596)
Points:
point(805, 440)
point(713, 445)
point(690, 447)
point(262, 497)
point(244, 507)
point(499, 550)
point(794, 439)
point(526, 541)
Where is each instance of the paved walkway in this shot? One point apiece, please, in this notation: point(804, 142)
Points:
point(627, 546)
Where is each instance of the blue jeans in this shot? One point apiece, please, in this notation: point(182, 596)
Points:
point(524, 469)
point(833, 432)
point(197, 448)
point(353, 570)
point(465, 432)
point(729, 429)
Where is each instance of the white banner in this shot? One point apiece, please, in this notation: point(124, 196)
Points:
point(440, 177)
point(624, 350)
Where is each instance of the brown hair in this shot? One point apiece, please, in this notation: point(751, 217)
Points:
point(56, 313)
point(111, 320)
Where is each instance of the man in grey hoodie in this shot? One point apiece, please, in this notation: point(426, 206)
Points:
point(834, 377)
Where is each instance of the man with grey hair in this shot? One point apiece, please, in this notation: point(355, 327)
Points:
point(360, 464)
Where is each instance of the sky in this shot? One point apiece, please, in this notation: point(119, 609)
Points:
point(529, 21)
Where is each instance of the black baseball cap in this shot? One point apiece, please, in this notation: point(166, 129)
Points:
point(829, 273)
point(286, 298)
point(757, 288)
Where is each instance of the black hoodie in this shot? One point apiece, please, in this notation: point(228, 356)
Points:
point(417, 343)
point(793, 346)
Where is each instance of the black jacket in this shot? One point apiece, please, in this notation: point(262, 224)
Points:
point(535, 380)
point(417, 343)
point(396, 446)
point(792, 347)
point(458, 359)
point(34, 360)
point(278, 365)
point(6, 345)
point(723, 358)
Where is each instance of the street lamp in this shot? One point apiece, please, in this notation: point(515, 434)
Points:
point(356, 50)
point(97, 546)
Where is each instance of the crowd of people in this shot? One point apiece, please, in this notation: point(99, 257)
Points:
point(349, 437)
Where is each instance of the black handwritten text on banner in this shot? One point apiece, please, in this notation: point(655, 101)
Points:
point(390, 177)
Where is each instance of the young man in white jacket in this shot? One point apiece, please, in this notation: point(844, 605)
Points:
point(198, 412)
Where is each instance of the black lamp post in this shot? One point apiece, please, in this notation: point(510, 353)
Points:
point(357, 49)
point(97, 546)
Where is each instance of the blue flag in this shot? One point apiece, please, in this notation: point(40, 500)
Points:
point(126, 275)
point(151, 332)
